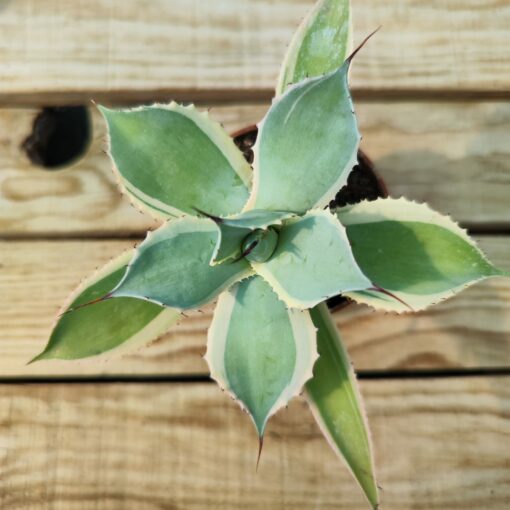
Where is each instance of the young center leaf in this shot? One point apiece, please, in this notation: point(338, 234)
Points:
point(118, 324)
point(229, 243)
point(419, 255)
point(172, 266)
point(259, 350)
point(234, 229)
point(337, 406)
point(321, 44)
point(172, 159)
point(306, 147)
point(312, 261)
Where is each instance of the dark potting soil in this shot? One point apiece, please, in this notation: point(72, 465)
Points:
point(362, 184)
point(245, 140)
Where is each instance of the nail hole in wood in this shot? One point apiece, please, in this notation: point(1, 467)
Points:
point(60, 136)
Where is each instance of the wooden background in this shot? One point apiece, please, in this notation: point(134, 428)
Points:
point(149, 431)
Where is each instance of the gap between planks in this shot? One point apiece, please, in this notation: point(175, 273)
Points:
point(362, 375)
point(231, 97)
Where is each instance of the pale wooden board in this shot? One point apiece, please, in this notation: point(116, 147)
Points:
point(440, 444)
point(61, 51)
point(456, 156)
point(470, 330)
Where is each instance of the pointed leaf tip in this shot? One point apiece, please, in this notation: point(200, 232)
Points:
point(376, 288)
point(261, 445)
point(84, 305)
point(39, 357)
point(363, 43)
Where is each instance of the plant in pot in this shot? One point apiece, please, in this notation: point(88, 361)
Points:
point(262, 233)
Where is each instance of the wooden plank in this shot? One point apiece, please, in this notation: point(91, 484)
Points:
point(453, 155)
point(53, 51)
point(470, 330)
point(440, 444)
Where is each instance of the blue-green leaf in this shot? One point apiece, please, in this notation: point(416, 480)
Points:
point(313, 261)
point(172, 266)
point(259, 350)
point(172, 159)
point(306, 147)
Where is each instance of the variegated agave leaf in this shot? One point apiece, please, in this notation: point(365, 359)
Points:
point(259, 350)
point(337, 406)
point(313, 261)
point(113, 325)
point(172, 266)
point(419, 255)
point(321, 44)
point(306, 147)
point(172, 159)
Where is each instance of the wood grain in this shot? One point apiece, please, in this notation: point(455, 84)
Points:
point(53, 51)
point(470, 330)
point(440, 444)
point(455, 156)
point(452, 155)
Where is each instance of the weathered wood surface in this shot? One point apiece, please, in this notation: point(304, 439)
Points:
point(470, 330)
point(455, 156)
point(440, 444)
point(53, 51)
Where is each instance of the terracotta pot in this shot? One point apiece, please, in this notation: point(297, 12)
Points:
point(364, 183)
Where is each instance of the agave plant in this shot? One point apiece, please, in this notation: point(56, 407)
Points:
point(262, 240)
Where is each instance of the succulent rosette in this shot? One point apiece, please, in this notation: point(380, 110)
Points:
point(261, 241)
